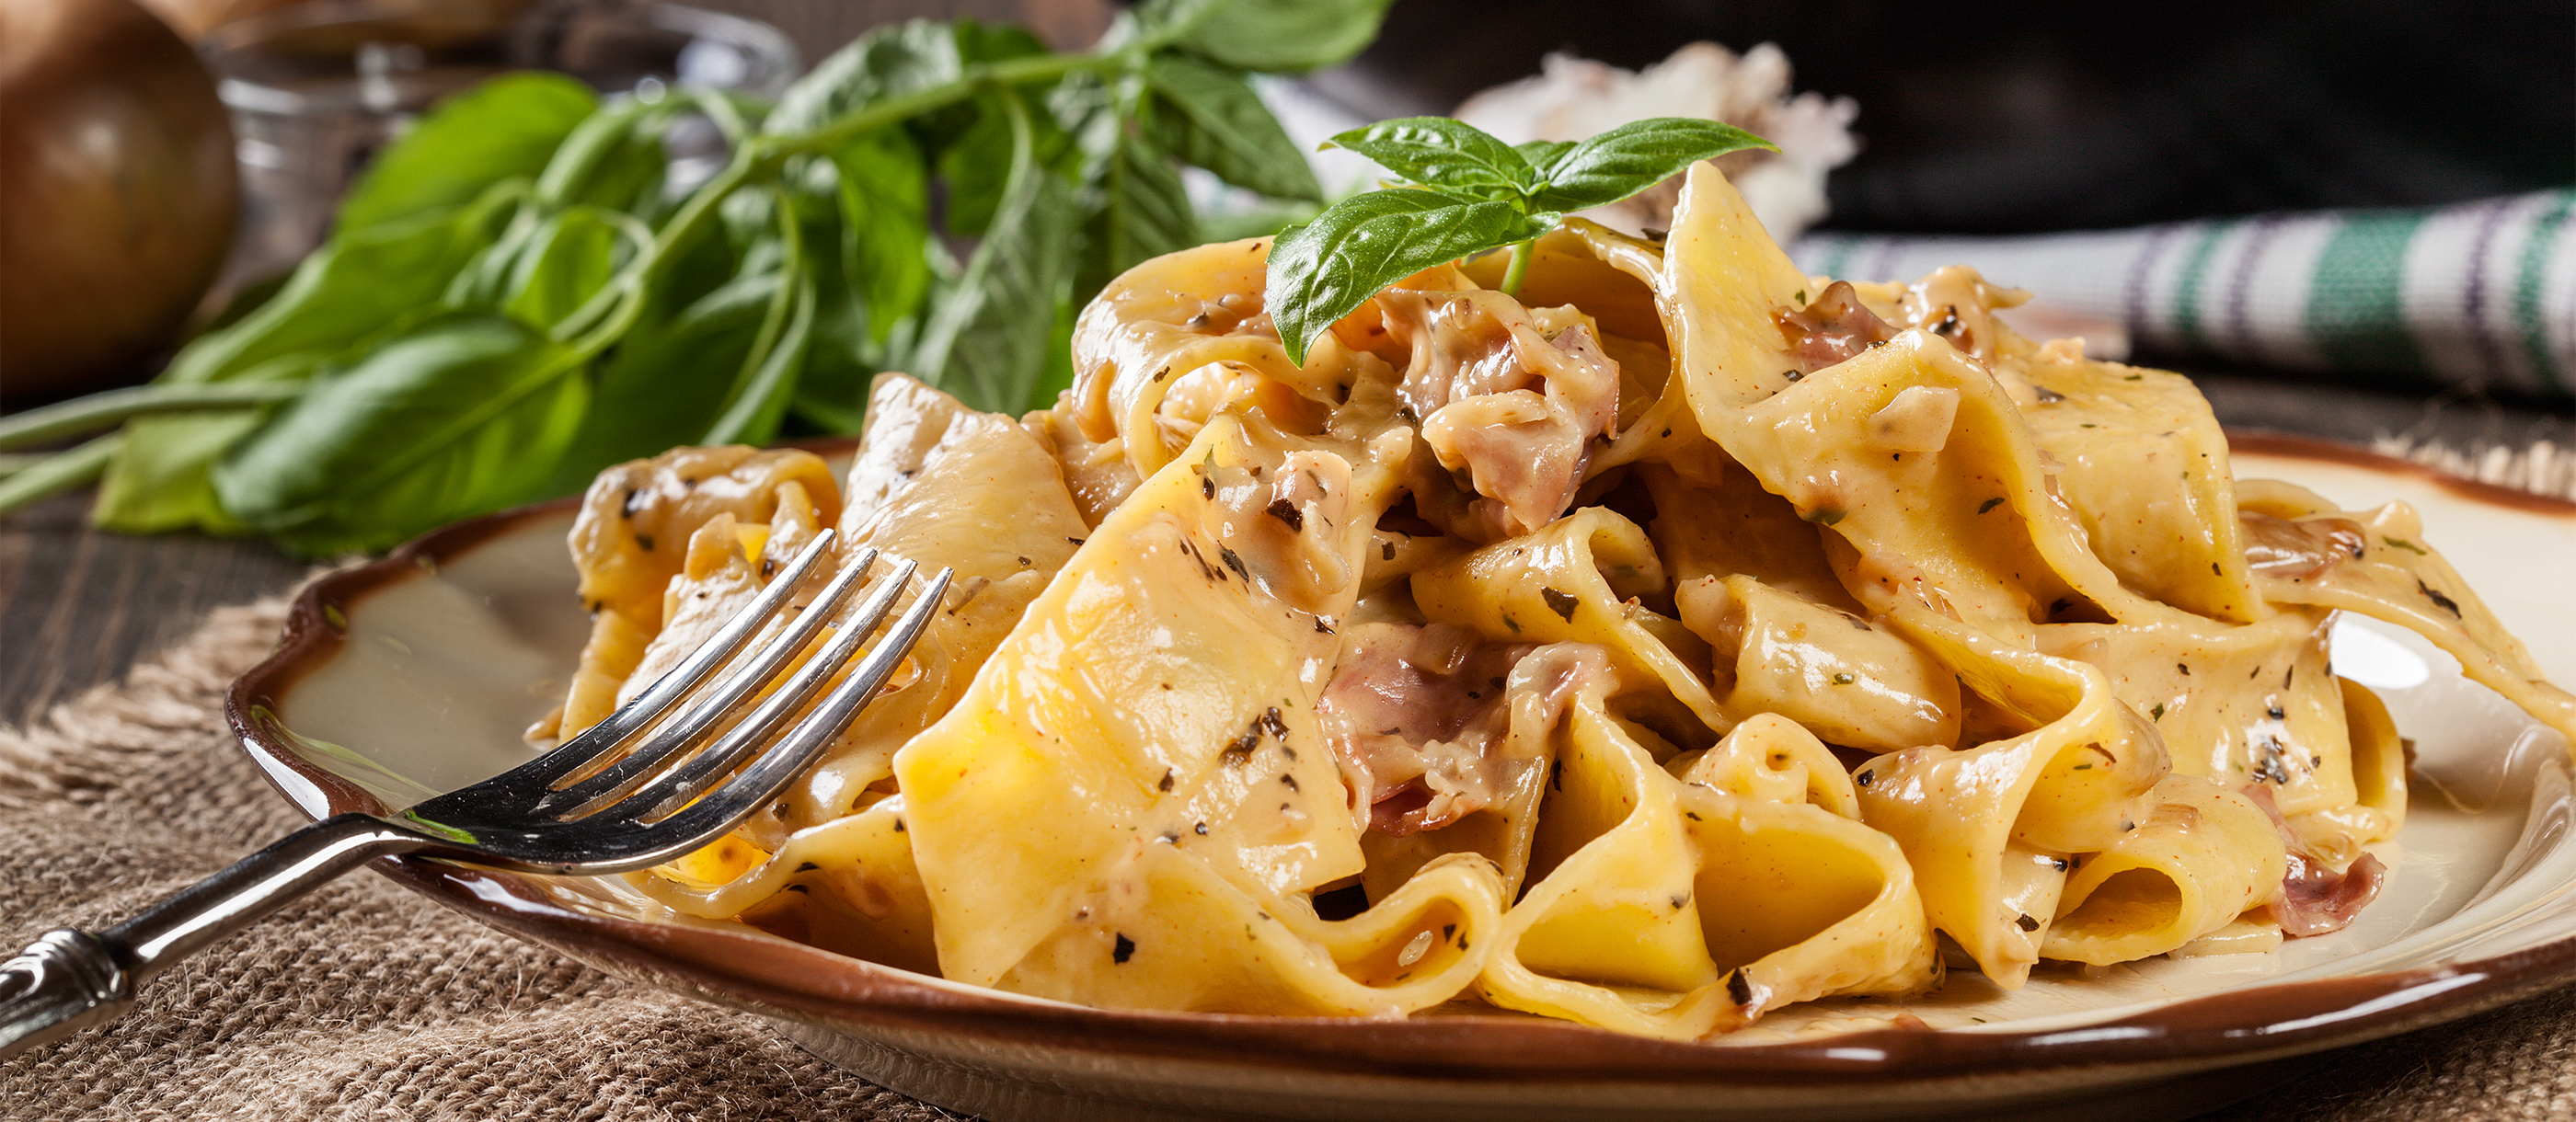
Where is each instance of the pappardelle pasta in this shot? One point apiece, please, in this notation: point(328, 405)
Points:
point(1679, 639)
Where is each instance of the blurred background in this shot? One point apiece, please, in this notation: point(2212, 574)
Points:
point(1987, 117)
point(1991, 116)
point(2015, 116)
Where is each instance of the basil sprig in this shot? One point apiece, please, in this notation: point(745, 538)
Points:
point(514, 298)
point(1463, 192)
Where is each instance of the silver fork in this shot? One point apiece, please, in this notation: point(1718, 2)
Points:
point(559, 813)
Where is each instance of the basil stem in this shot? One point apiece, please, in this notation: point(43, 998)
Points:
point(736, 419)
point(1521, 254)
point(100, 411)
point(1482, 195)
point(55, 474)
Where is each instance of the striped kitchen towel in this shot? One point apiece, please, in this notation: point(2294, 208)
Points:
point(2478, 296)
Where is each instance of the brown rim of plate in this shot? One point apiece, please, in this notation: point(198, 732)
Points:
point(754, 970)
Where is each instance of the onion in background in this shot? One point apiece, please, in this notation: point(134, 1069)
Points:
point(117, 192)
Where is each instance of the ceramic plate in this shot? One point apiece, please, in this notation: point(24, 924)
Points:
point(416, 674)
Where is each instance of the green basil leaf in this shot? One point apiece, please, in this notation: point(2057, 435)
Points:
point(764, 378)
point(974, 159)
point(830, 394)
point(884, 196)
point(978, 41)
point(700, 265)
point(362, 284)
point(1445, 155)
point(976, 168)
point(506, 128)
point(1136, 209)
point(1271, 36)
point(569, 259)
point(1058, 375)
point(891, 61)
point(622, 169)
point(1323, 270)
point(484, 282)
point(842, 349)
point(841, 358)
point(750, 223)
point(1543, 154)
point(350, 289)
point(160, 478)
point(758, 401)
point(465, 414)
point(1635, 156)
point(660, 384)
point(1209, 116)
point(1083, 103)
point(986, 336)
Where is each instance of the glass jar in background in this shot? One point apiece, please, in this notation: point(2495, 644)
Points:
point(317, 89)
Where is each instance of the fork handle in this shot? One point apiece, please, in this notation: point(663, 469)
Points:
point(67, 979)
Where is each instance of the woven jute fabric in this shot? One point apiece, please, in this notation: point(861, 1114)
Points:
point(363, 1001)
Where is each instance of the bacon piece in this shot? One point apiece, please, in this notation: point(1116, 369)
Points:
point(1504, 402)
point(1416, 715)
point(1432, 724)
point(1832, 328)
point(2314, 899)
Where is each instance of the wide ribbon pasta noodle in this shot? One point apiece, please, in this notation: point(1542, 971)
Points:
point(1144, 723)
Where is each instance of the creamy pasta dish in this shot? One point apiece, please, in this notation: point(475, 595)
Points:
point(1680, 639)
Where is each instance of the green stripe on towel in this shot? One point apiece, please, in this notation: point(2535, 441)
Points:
point(2529, 280)
point(2195, 271)
point(2356, 314)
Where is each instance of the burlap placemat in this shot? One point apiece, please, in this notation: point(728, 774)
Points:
point(365, 1002)
point(361, 1001)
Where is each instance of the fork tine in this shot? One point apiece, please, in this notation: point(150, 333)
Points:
point(533, 778)
point(724, 808)
point(688, 780)
point(623, 776)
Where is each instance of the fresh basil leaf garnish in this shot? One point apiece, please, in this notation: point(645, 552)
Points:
point(350, 291)
point(1322, 270)
point(650, 396)
point(1632, 157)
point(1542, 154)
point(1502, 194)
point(614, 160)
point(570, 258)
point(1448, 156)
